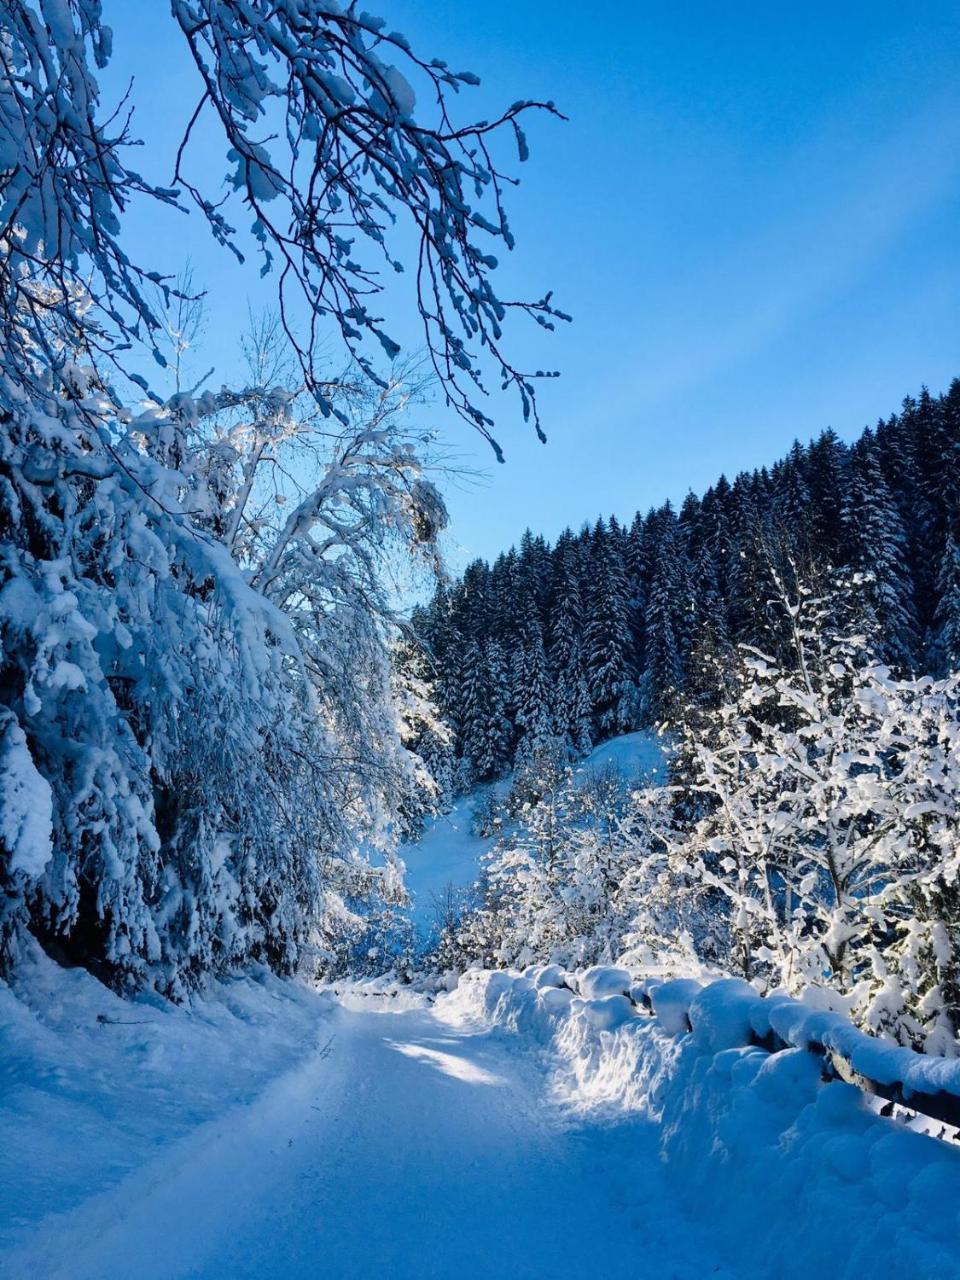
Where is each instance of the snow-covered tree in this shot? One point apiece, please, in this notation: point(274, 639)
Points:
point(563, 881)
point(607, 638)
point(876, 544)
point(532, 694)
point(202, 679)
point(197, 720)
point(830, 831)
point(485, 731)
point(944, 652)
point(573, 710)
point(664, 674)
point(423, 733)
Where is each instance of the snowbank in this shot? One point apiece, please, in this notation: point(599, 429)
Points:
point(94, 1087)
point(798, 1174)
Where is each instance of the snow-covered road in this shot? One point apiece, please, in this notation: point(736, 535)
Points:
point(403, 1147)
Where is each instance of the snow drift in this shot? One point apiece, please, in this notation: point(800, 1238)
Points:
point(96, 1087)
point(794, 1170)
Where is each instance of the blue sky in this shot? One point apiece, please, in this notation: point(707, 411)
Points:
point(752, 214)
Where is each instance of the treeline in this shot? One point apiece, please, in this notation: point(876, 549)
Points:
point(616, 627)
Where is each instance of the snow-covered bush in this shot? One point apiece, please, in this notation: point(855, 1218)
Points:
point(825, 851)
point(808, 839)
point(561, 883)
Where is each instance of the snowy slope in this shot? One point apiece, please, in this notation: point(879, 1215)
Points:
point(93, 1087)
point(448, 853)
point(636, 755)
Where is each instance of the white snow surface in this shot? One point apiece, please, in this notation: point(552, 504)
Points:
point(26, 805)
point(275, 1133)
point(639, 754)
point(94, 1087)
point(528, 1126)
point(519, 1127)
point(449, 853)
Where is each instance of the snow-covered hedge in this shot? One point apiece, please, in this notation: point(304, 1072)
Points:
point(797, 1167)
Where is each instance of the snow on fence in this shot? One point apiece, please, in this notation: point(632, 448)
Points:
point(729, 1013)
point(924, 1083)
point(759, 1121)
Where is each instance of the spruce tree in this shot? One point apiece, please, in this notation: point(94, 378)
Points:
point(532, 687)
point(944, 649)
point(572, 711)
point(876, 545)
point(607, 639)
point(494, 737)
point(826, 479)
point(664, 671)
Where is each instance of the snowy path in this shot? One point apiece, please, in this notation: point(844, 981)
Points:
point(406, 1148)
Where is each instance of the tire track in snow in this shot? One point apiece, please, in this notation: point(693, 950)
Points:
point(403, 1149)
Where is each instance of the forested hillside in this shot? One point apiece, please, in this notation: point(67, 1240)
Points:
point(616, 627)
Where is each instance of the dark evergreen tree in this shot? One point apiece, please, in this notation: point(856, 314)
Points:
point(572, 708)
point(875, 544)
point(485, 732)
point(944, 647)
point(792, 503)
point(664, 675)
point(607, 639)
point(826, 467)
point(532, 687)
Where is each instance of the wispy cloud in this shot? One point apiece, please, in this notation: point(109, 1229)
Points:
point(751, 290)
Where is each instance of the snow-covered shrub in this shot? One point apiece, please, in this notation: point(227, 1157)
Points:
point(826, 849)
point(807, 840)
point(560, 884)
point(453, 945)
point(541, 773)
point(486, 816)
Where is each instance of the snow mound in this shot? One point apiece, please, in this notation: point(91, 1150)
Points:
point(605, 1012)
point(547, 975)
point(94, 1086)
point(633, 754)
point(604, 980)
point(793, 1171)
